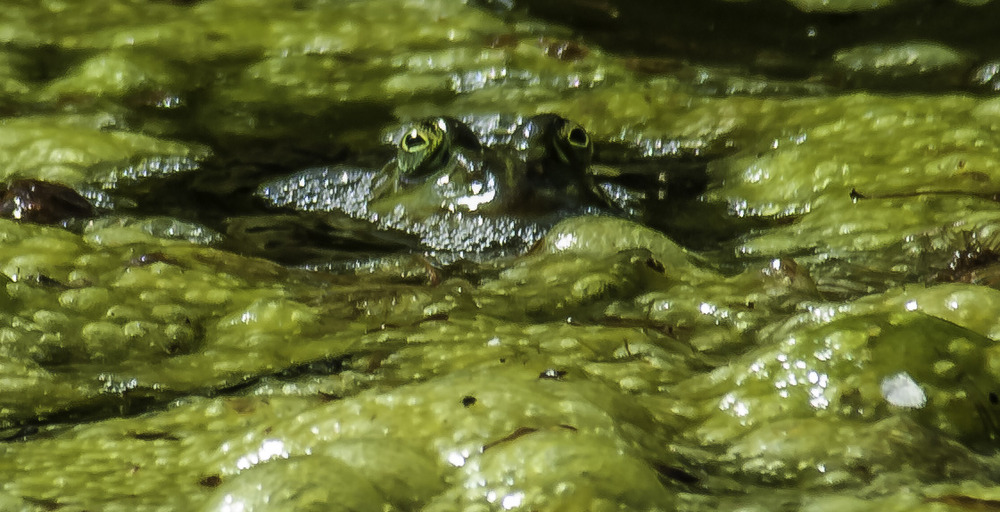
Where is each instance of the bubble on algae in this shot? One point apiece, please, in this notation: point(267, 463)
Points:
point(988, 75)
point(468, 235)
point(145, 167)
point(902, 391)
point(349, 190)
point(345, 189)
point(124, 230)
point(905, 58)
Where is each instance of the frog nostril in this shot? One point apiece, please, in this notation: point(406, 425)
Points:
point(656, 265)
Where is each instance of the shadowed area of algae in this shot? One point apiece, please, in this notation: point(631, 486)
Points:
point(802, 317)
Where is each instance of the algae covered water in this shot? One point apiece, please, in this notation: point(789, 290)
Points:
point(799, 314)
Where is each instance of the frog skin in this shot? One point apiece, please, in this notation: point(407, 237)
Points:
point(454, 194)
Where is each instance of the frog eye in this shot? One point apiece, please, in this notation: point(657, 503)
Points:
point(572, 144)
point(578, 137)
point(426, 136)
point(423, 149)
point(573, 136)
point(414, 141)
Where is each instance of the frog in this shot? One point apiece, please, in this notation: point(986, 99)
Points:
point(453, 194)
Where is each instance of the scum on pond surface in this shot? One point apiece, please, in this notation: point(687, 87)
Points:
point(827, 346)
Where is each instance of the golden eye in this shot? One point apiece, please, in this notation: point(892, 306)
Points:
point(413, 141)
point(423, 149)
point(424, 136)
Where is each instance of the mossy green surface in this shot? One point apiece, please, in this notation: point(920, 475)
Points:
point(66, 148)
point(838, 354)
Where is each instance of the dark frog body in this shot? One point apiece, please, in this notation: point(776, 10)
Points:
point(454, 194)
point(555, 154)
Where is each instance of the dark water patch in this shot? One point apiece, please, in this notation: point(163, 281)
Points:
point(307, 238)
point(672, 187)
point(101, 408)
point(138, 400)
point(777, 40)
point(220, 185)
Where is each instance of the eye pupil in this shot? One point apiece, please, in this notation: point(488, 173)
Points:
point(413, 141)
point(578, 137)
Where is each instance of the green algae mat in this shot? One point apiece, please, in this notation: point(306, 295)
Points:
point(803, 314)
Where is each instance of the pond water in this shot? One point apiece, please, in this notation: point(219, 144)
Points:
point(770, 285)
